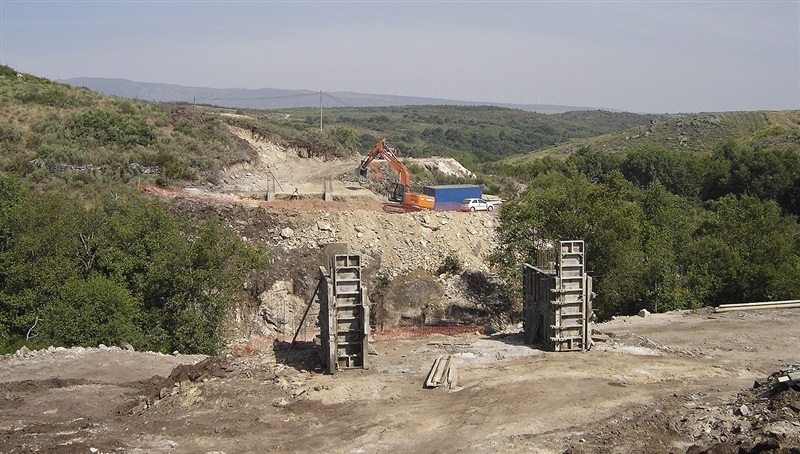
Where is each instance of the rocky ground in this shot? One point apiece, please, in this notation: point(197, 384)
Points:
point(677, 382)
point(395, 247)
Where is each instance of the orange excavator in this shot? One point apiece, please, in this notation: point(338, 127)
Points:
point(400, 193)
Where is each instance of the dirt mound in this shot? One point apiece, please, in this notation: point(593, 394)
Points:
point(764, 418)
point(34, 386)
point(181, 386)
point(211, 367)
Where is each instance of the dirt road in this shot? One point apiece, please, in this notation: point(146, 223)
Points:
point(657, 384)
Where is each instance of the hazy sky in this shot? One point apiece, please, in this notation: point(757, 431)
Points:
point(640, 56)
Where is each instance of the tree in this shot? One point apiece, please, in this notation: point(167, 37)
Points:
point(667, 225)
point(679, 172)
point(38, 259)
point(90, 312)
point(125, 270)
point(756, 247)
point(595, 165)
point(555, 208)
point(769, 174)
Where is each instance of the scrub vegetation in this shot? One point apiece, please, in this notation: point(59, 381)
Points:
point(677, 211)
point(122, 270)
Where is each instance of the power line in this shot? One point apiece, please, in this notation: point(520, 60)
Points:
point(259, 98)
point(346, 104)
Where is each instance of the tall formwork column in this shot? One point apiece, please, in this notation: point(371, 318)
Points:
point(537, 301)
point(344, 315)
point(568, 322)
point(557, 303)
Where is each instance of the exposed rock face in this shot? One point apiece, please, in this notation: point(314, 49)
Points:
point(400, 247)
point(409, 299)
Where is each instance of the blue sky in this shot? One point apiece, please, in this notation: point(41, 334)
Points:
point(640, 56)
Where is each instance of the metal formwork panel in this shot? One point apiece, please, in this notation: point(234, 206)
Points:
point(345, 325)
point(556, 304)
point(569, 307)
point(537, 298)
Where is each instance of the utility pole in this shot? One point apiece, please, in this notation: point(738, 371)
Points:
point(320, 111)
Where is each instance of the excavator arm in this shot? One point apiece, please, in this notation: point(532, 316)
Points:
point(400, 192)
point(388, 153)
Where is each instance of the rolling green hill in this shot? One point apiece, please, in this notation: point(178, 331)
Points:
point(696, 132)
point(471, 134)
point(63, 137)
point(58, 136)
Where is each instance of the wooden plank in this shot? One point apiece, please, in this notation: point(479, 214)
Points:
point(754, 306)
point(429, 382)
point(439, 378)
point(452, 377)
point(761, 303)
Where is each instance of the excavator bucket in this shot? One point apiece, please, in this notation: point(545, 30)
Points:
point(361, 172)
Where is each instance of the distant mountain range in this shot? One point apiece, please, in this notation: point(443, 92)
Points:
point(273, 98)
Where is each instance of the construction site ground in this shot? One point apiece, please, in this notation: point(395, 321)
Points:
point(663, 383)
point(676, 382)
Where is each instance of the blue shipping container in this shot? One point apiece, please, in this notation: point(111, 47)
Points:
point(449, 197)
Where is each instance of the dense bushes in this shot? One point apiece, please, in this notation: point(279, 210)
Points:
point(110, 129)
point(125, 270)
point(664, 230)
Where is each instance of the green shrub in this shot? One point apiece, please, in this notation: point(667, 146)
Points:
point(9, 134)
point(111, 128)
point(451, 264)
point(91, 312)
point(51, 95)
point(7, 71)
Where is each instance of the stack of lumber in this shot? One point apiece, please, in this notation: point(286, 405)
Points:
point(762, 305)
point(442, 374)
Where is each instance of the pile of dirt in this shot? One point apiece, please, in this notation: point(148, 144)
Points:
point(444, 166)
point(182, 387)
point(763, 418)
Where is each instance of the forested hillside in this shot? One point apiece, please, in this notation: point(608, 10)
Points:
point(669, 229)
point(473, 135)
point(83, 258)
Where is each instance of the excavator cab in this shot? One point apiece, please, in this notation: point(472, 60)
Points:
point(397, 193)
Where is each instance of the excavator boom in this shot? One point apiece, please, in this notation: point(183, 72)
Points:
point(388, 153)
point(400, 192)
